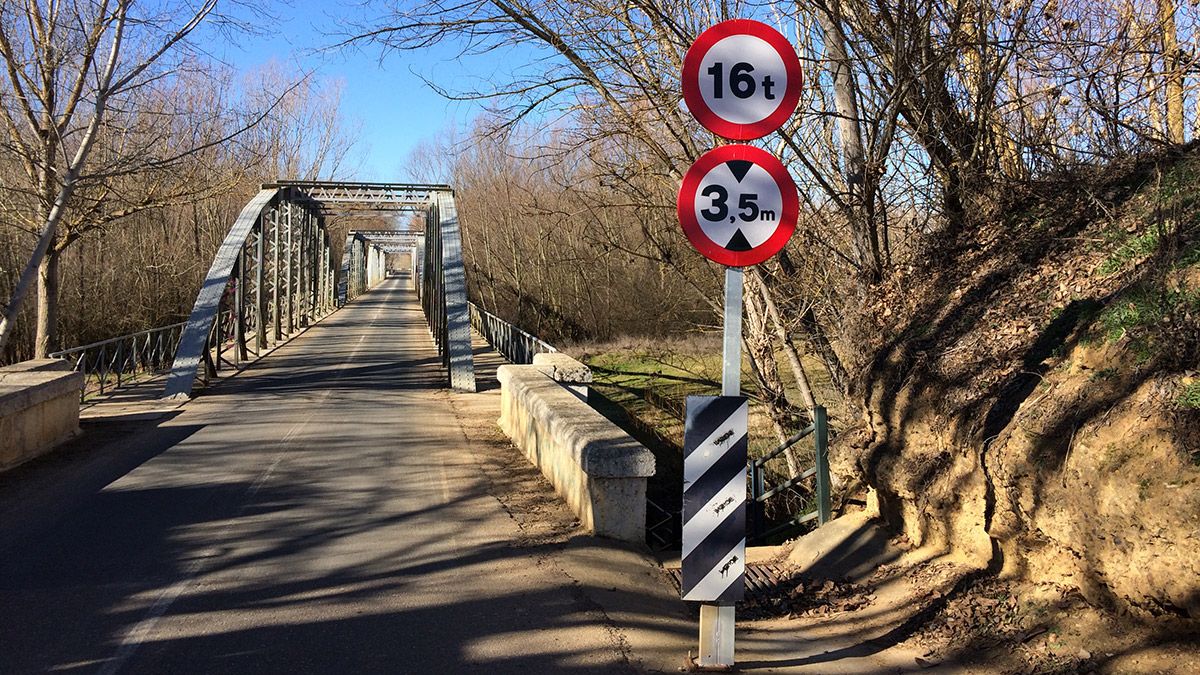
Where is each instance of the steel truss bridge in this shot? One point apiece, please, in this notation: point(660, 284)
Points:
point(274, 275)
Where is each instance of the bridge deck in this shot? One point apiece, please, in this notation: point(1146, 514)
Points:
point(319, 512)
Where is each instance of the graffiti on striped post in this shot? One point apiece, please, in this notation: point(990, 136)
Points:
point(714, 499)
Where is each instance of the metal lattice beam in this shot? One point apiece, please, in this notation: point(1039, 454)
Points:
point(389, 235)
point(348, 197)
point(274, 274)
point(444, 291)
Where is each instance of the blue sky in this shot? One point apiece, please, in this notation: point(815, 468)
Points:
point(384, 93)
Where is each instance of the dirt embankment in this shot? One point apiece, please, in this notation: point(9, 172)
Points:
point(1033, 398)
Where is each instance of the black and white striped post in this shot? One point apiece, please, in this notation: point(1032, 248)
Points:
point(714, 498)
point(714, 494)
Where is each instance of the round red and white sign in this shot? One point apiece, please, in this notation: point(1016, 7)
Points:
point(741, 79)
point(738, 205)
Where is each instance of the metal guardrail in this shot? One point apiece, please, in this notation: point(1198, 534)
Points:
point(113, 363)
point(760, 492)
point(515, 344)
point(663, 522)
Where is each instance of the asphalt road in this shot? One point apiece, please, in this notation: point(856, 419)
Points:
point(319, 512)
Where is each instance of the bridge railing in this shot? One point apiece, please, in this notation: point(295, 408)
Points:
point(116, 362)
point(817, 498)
point(793, 501)
point(515, 344)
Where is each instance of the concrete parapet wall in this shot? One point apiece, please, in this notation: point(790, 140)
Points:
point(39, 409)
point(562, 368)
point(598, 469)
point(566, 371)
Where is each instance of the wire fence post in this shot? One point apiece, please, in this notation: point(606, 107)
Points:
point(821, 441)
point(757, 508)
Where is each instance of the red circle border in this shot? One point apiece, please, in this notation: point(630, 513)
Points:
point(685, 205)
point(691, 79)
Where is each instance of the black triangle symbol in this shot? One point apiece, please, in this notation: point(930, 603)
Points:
point(738, 241)
point(740, 168)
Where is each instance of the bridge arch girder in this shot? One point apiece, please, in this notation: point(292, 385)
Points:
point(274, 274)
point(271, 276)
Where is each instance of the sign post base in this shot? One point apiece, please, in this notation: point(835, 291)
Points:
point(716, 637)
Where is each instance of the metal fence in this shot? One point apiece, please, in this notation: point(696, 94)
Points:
point(818, 498)
point(113, 363)
point(663, 526)
point(779, 506)
point(515, 344)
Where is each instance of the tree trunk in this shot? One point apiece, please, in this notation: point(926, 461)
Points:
point(47, 305)
point(802, 382)
point(814, 332)
point(1172, 71)
point(49, 229)
point(845, 96)
point(761, 353)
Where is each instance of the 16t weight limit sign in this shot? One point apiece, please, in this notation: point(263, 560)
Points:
point(741, 79)
point(738, 205)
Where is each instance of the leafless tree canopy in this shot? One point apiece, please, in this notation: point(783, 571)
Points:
point(917, 117)
point(125, 150)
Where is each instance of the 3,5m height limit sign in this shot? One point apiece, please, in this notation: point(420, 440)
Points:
point(738, 205)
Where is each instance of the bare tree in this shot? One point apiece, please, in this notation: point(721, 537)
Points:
point(861, 205)
point(71, 68)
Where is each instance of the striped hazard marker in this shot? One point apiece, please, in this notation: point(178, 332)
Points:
point(714, 499)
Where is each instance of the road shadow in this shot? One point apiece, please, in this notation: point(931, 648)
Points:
point(38, 493)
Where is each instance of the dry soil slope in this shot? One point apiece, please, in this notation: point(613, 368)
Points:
point(1033, 399)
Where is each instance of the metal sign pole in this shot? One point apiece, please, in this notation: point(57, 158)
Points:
point(731, 368)
point(717, 619)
